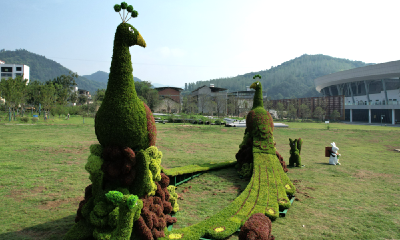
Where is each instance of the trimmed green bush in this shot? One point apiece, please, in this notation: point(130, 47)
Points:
point(34, 119)
point(24, 119)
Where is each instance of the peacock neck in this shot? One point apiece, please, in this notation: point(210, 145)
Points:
point(258, 98)
point(121, 78)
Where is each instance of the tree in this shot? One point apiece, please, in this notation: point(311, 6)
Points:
point(318, 112)
point(220, 104)
point(305, 111)
point(279, 109)
point(99, 95)
point(334, 115)
point(13, 91)
point(144, 89)
point(64, 86)
point(33, 93)
point(73, 98)
point(292, 111)
point(268, 104)
point(82, 99)
point(47, 96)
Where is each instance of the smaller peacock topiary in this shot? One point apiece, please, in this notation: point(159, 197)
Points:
point(295, 148)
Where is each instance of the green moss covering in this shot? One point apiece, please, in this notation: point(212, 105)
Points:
point(121, 119)
point(295, 147)
point(96, 149)
point(173, 198)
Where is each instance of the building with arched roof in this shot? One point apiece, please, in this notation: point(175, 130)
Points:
point(372, 93)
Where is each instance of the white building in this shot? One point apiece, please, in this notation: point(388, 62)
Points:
point(372, 93)
point(13, 70)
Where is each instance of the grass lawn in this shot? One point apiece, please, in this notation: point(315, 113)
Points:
point(42, 177)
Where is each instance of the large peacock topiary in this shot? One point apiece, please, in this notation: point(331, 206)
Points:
point(123, 119)
point(129, 197)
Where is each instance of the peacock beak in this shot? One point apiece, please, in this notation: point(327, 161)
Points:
point(140, 41)
point(253, 86)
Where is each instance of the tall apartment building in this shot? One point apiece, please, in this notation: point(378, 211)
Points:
point(14, 70)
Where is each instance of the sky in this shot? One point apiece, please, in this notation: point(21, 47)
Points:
point(189, 41)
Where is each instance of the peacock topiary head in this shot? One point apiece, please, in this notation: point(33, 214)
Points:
point(126, 32)
point(130, 35)
point(255, 85)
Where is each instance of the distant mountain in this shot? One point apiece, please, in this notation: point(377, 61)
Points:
point(294, 78)
point(102, 77)
point(43, 69)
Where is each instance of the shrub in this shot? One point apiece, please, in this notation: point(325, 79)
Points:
point(258, 226)
point(24, 119)
point(34, 119)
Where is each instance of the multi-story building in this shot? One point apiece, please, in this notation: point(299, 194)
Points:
point(170, 100)
point(14, 70)
point(371, 93)
point(210, 99)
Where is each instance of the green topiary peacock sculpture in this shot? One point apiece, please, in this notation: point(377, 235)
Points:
point(268, 188)
point(129, 197)
point(123, 119)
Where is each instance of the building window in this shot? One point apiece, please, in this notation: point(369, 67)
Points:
point(19, 68)
point(6, 69)
point(18, 74)
point(6, 75)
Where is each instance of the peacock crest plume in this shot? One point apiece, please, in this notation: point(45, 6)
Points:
point(129, 9)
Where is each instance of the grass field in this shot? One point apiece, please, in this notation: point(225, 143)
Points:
point(42, 177)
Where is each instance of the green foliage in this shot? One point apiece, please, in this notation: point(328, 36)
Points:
point(173, 199)
point(295, 158)
point(121, 119)
point(13, 91)
point(264, 194)
point(96, 149)
point(247, 170)
point(117, 7)
point(34, 119)
point(335, 115)
point(147, 94)
point(124, 5)
point(115, 197)
point(82, 99)
point(134, 14)
point(318, 113)
point(24, 119)
point(129, 8)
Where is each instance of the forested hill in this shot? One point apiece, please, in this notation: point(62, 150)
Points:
point(102, 77)
point(294, 78)
point(43, 69)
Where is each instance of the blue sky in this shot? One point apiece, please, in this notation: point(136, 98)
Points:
point(194, 40)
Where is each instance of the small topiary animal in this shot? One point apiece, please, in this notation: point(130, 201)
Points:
point(295, 148)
